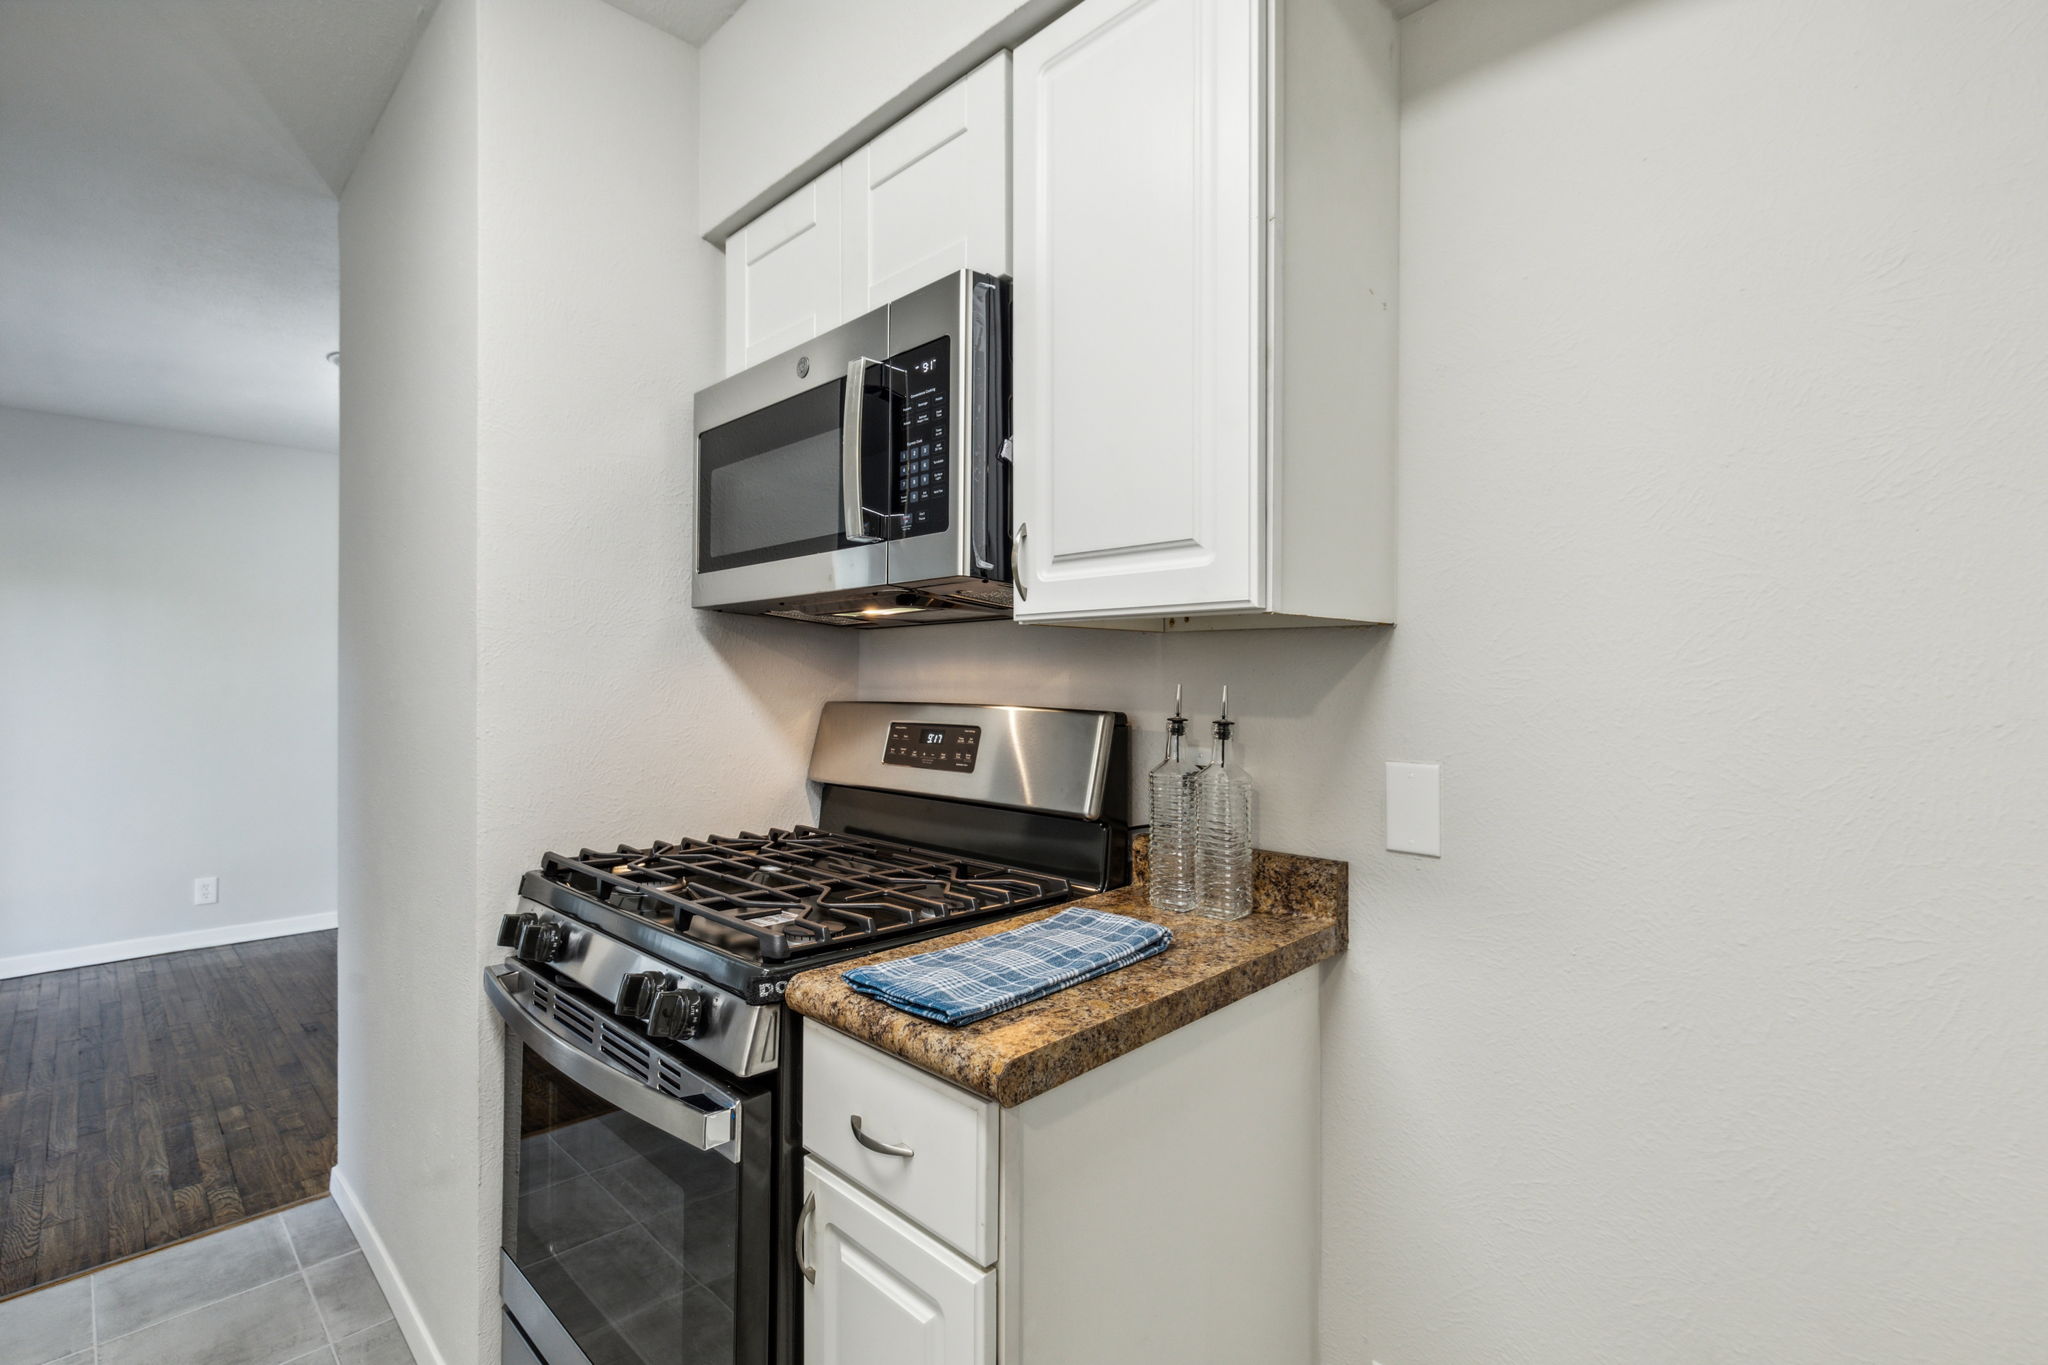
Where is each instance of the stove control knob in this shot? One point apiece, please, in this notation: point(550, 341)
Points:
point(541, 942)
point(678, 1014)
point(509, 927)
point(635, 999)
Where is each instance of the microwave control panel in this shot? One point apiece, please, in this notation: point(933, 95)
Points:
point(951, 747)
point(923, 463)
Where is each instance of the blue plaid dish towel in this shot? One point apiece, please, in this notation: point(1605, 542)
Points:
point(964, 984)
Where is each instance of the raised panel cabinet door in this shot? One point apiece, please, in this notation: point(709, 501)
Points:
point(782, 281)
point(1139, 383)
point(931, 195)
point(880, 1291)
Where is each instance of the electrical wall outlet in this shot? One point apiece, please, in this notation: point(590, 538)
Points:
point(205, 890)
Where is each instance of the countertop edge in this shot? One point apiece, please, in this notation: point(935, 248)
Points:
point(1014, 1081)
point(1013, 1070)
point(1011, 1078)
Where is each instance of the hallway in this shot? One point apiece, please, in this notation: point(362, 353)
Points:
point(147, 1101)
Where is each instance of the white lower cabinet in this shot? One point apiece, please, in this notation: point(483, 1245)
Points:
point(1158, 1210)
point(925, 1148)
point(879, 1291)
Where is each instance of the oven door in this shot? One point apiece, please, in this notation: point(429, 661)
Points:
point(793, 465)
point(638, 1214)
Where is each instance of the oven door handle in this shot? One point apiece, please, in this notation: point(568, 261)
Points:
point(708, 1121)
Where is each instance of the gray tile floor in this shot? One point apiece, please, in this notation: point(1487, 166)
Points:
point(290, 1289)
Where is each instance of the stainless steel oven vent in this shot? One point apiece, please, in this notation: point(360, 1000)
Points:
point(604, 1039)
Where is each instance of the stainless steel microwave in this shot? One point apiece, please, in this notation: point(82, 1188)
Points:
point(862, 479)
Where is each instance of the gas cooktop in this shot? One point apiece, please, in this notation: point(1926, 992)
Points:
point(929, 816)
point(788, 893)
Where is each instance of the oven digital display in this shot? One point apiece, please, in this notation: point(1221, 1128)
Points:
point(952, 747)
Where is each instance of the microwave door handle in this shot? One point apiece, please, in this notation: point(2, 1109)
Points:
point(852, 423)
point(853, 515)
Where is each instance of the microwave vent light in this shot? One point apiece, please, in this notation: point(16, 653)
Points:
point(881, 611)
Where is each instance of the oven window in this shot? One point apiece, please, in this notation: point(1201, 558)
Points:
point(629, 1235)
point(768, 483)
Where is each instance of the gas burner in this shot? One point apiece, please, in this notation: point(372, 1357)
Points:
point(789, 893)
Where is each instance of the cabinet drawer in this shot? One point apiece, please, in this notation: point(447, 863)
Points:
point(947, 1182)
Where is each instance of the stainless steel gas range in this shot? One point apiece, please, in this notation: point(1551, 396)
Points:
point(652, 1131)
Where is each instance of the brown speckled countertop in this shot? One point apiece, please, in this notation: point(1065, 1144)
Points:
point(1301, 917)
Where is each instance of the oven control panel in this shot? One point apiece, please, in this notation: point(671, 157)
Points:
point(951, 747)
point(923, 464)
point(1025, 757)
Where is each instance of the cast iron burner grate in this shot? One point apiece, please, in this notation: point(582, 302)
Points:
point(780, 895)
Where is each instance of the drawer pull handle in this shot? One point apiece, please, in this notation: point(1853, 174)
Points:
point(873, 1145)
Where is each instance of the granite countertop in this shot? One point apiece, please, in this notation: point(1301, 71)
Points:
point(1300, 917)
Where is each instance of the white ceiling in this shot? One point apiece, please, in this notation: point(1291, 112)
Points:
point(169, 173)
point(169, 170)
point(691, 20)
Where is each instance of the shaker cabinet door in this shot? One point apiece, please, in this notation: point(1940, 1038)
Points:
point(1139, 314)
point(882, 1291)
point(782, 283)
point(931, 195)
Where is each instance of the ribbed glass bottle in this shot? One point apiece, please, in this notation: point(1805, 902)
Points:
point(1224, 806)
point(1171, 843)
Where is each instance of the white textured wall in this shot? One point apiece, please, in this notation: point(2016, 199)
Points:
point(575, 697)
point(416, 1088)
point(610, 709)
point(1716, 1034)
point(167, 657)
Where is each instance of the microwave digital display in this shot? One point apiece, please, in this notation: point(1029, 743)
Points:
point(952, 747)
point(924, 465)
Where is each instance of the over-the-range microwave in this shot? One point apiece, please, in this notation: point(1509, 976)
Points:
point(862, 479)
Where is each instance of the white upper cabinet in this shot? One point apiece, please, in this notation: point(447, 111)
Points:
point(782, 274)
point(880, 1291)
point(931, 196)
point(1203, 368)
point(1137, 328)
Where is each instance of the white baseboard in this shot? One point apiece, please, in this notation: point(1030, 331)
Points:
point(92, 954)
point(396, 1292)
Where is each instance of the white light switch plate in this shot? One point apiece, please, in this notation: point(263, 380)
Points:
point(1412, 823)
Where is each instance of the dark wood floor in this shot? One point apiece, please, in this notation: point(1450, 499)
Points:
point(147, 1101)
